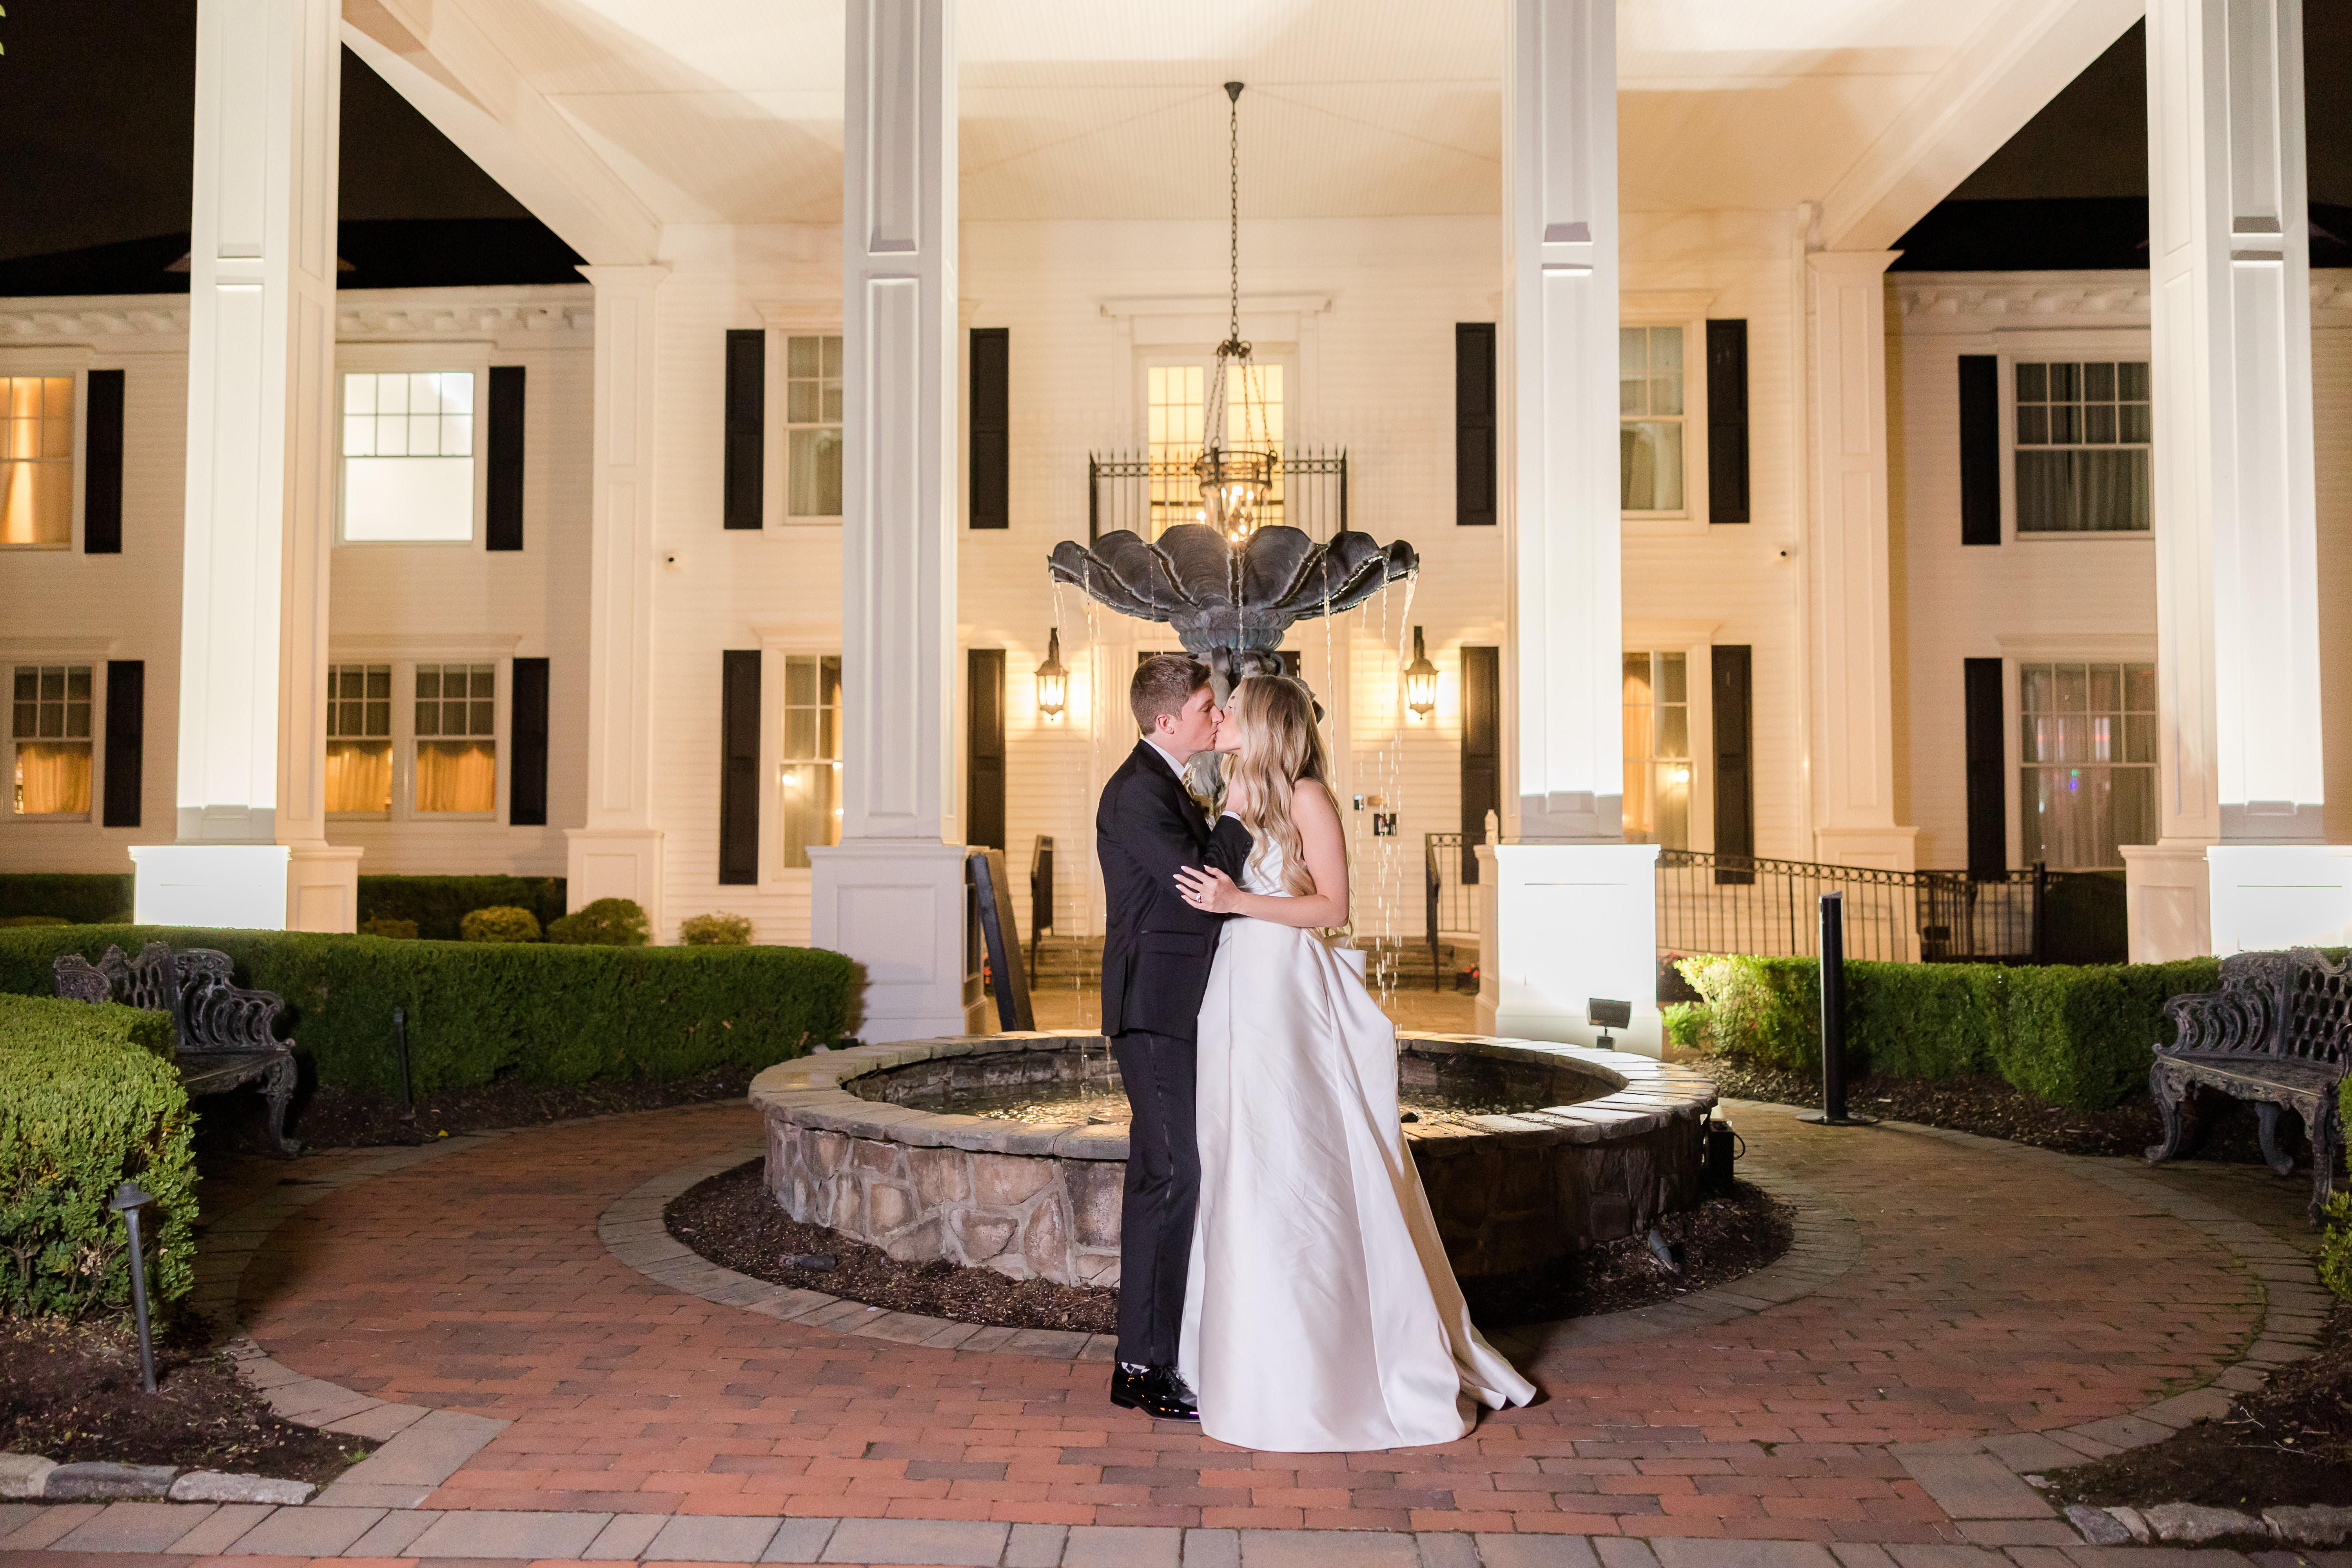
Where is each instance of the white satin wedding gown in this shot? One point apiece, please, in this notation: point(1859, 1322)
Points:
point(1320, 1314)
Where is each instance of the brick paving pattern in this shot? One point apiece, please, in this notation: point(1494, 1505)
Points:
point(1994, 1294)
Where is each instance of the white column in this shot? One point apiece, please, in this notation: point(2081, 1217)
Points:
point(1573, 906)
point(2240, 859)
point(618, 853)
point(1851, 675)
point(252, 847)
point(891, 894)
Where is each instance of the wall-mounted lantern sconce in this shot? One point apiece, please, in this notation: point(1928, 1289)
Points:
point(1420, 680)
point(1053, 680)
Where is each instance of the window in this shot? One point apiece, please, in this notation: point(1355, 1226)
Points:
point(2089, 750)
point(408, 456)
point(37, 480)
point(809, 780)
point(358, 738)
point(2083, 440)
point(1657, 750)
point(1175, 399)
point(1650, 410)
point(813, 429)
point(457, 748)
point(50, 726)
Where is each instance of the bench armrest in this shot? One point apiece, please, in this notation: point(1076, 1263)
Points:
point(2235, 1022)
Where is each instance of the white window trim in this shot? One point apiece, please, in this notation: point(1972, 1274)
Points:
point(2063, 345)
point(67, 653)
point(1686, 309)
point(471, 355)
point(781, 323)
point(777, 644)
point(404, 655)
point(1695, 640)
point(48, 363)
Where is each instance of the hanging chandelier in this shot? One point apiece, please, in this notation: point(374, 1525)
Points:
point(1236, 481)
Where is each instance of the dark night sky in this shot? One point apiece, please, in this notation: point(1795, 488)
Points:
point(97, 109)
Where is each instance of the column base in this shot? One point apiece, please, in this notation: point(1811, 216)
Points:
point(615, 863)
point(900, 908)
point(1876, 848)
point(2267, 896)
point(322, 888)
point(233, 887)
point(2167, 901)
point(1562, 924)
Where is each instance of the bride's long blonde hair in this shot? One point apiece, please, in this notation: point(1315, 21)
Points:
point(1281, 750)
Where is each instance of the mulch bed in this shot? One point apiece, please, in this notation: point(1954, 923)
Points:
point(1991, 1108)
point(2286, 1446)
point(733, 1220)
point(331, 1116)
point(71, 1392)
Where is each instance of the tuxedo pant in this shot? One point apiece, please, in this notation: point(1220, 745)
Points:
point(1163, 1186)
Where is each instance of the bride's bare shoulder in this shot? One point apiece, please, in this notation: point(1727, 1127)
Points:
point(1311, 803)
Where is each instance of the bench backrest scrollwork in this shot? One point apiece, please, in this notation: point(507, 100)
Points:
point(2292, 1005)
point(209, 1014)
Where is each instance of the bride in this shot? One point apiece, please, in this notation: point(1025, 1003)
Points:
point(1320, 1313)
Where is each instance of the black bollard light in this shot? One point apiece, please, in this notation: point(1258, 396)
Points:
point(129, 1199)
point(400, 1044)
point(1834, 1113)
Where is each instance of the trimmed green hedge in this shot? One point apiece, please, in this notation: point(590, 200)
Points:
point(87, 1100)
point(2336, 1246)
point(544, 1012)
point(83, 900)
point(2074, 1036)
point(438, 903)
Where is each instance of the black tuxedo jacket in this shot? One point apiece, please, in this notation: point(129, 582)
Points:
point(1156, 947)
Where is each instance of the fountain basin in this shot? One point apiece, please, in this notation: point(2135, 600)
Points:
point(1618, 1145)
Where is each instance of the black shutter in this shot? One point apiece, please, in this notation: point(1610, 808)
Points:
point(747, 410)
point(102, 477)
point(983, 817)
point(527, 771)
point(1731, 667)
point(503, 448)
point(1482, 749)
point(126, 735)
point(1474, 427)
point(991, 435)
point(1726, 421)
point(1988, 770)
point(739, 785)
point(1981, 451)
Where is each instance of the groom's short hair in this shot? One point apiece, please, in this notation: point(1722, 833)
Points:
point(1163, 684)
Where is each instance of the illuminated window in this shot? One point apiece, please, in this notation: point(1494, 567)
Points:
point(49, 726)
point(2083, 435)
point(1175, 401)
point(1650, 426)
point(2089, 752)
point(1657, 750)
point(456, 745)
point(813, 429)
point(36, 422)
point(408, 456)
point(809, 778)
point(358, 738)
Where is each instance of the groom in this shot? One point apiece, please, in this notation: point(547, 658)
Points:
point(1156, 954)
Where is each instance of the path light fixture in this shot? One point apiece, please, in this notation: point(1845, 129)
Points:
point(1420, 680)
point(1053, 680)
point(1235, 481)
point(129, 1199)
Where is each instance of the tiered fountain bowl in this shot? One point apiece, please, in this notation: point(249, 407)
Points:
point(1010, 1150)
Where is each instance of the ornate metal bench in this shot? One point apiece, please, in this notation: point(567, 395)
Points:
point(2279, 1033)
point(224, 1036)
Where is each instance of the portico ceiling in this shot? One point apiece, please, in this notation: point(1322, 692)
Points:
point(613, 117)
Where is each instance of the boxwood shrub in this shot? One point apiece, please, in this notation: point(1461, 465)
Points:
point(83, 900)
point(546, 1014)
point(87, 1100)
point(2078, 1036)
point(438, 903)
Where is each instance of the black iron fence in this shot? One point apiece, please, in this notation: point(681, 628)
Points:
point(1143, 495)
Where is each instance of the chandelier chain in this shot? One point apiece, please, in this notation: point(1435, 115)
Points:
point(1234, 210)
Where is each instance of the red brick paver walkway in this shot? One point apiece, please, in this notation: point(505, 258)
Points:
point(1993, 1294)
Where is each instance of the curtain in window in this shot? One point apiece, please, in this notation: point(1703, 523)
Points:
point(358, 775)
point(1650, 465)
point(2077, 491)
point(52, 778)
point(456, 775)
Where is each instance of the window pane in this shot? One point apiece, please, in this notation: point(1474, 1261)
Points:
point(2099, 424)
point(2139, 687)
point(2099, 382)
point(2065, 382)
point(813, 463)
point(2134, 422)
point(358, 775)
point(2033, 384)
point(2131, 381)
point(2082, 492)
point(36, 459)
point(803, 401)
point(810, 815)
point(1649, 469)
point(1671, 685)
point(2033, 425)
point(456, 775)
point(52, 778)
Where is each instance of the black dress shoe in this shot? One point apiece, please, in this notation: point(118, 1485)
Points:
point(1156, 1391)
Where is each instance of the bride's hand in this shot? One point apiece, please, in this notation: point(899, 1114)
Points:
point(1210, 890)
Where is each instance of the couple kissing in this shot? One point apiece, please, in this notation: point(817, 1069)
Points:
point(1281, 1277)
